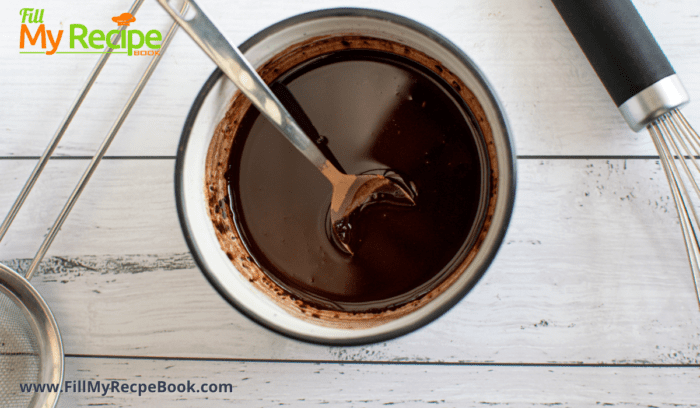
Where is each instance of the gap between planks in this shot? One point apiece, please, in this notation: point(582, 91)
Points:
point(375, 362)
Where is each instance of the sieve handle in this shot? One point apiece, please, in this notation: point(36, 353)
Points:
point(100, 152)
point(617, 43)
point(44, 159)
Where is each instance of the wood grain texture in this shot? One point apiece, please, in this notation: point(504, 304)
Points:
point(592, 270)
point(555, 103)
point(590, 301)
point(377, 385)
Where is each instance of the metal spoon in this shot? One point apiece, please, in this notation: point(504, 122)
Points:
point(350, 192)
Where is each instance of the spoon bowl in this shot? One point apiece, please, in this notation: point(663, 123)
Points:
point(352, 193)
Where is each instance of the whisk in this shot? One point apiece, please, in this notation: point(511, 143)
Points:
point(647, 92)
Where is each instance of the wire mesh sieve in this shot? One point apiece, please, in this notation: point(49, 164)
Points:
point(19, 353)
point(31, 351)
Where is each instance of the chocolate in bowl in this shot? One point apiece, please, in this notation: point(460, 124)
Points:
point(379, 111)
point(361, 93)
point(267, 279)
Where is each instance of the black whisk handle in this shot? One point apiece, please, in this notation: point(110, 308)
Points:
point(617, 43)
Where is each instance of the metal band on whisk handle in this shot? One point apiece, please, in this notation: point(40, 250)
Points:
point(648, 93)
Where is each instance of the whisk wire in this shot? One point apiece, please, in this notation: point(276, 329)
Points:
point(692, 134)
point(663, 134)
point(682, 133)
point(673, 134)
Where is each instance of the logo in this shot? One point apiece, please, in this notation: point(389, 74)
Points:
point(85, 41)
point(124, 19)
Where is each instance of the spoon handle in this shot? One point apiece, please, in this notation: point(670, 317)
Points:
point(230, 60)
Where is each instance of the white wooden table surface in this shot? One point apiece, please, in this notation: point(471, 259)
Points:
point(589, 302)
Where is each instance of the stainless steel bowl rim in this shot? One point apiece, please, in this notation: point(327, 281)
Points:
point(495, 235)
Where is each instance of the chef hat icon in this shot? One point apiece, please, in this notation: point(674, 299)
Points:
point(124, 19)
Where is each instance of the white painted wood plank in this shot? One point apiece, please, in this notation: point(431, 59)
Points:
point(555, 103)
point(128, 204)
point(592, 270)
point(348, 385)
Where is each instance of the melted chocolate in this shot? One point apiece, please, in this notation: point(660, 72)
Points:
point(376, 111)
